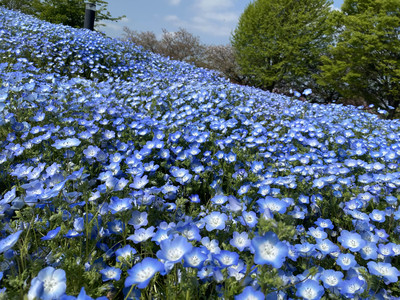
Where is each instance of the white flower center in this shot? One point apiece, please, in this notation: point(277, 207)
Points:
point(145, 274)
point(49, 285)
point(268, 251)
point(384, 270)
point(332, 280)
point(214, 221)
point(353, 243)
point(309, 293)
point(194, 260)
point(174, 254)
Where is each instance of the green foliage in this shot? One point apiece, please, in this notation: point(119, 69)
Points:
point(365, 62)
point(278, 42)
point(67, 12)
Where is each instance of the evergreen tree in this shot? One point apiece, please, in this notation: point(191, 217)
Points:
point(365, 62)
point(67, 12)
point(278, 43)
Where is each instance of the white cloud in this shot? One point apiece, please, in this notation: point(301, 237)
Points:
point(174, 2)
point(212, 5)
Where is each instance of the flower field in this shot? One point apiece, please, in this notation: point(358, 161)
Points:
point(125, 175)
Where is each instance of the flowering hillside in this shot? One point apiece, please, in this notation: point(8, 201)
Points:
point(125, 175)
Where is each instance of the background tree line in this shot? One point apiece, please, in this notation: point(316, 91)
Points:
point(352, 55)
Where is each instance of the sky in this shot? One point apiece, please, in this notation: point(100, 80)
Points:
point(213, 21)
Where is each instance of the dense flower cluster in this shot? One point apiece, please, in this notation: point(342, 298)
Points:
point(124, 174)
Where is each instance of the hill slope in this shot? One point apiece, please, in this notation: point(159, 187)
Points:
point(111, 156)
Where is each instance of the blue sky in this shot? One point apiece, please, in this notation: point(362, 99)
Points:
point(211, 20)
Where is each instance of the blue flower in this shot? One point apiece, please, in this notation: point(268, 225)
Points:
point(240, 240)
point(67, 143)
point(369, 251)
point(195, 258)
point(139, 182)
point(249, 219)
point(215, 220)
point(269, 250)
point(125, 254)
point(143, 272)
point(352, 241)
point(9, 241)
point(331, 278)
point(219, 199)
point(249, 293)
point(173, 250)
point(349, 288)
point(142, 235)
point(138, 219)
point(310, 290)
point(326, 246)
point(346, 261)
point(389, 273)
point(117, 205)
point(49, 284)
point(110, 273)
point(227, 258)
point(51, 234)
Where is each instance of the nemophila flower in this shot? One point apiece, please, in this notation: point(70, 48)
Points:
point(191, 232)
point(240, 240)
point(350, 288)
point(389, 273)
point(125, 253)
point(142, 235)
point(219, 199)
point(194, 198)
point(49, 284)
point(317, 233)
point(326, 246)
point(352, 241)
point(116, 226)
point(346, 261)
point(249, 219)
point(324, 223)
point(173, 250)
point(211, 245)
point(369, 251)
point(377, 216)
point(9, 241)
point(138, 219)
point(51, 234)
point(331, 278)
point(118, 205)
point(305, 249)
point(309, 289)
point(215, 220)
point(195, 258)
point(249, 293)
point(269, 250)
point(139, 182)
point(67, 143)
point(243, 189)
point(110, 273)
point(143, 272)
point(385, 249)
point(227, 258)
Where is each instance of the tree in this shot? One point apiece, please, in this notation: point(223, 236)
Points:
point(21, 5)
point(278, 42)
point(67, 12)
point(146, 39)
point(181, 45)
point(365, 62)
point(222, 58)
